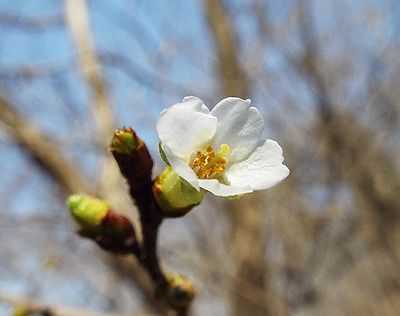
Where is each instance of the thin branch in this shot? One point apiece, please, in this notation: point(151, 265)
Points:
point(77, 20)
point(233, 78)
point(70, 180)
point(246, 228)
point(47, 154)
point(37, 23)
point(34, 307)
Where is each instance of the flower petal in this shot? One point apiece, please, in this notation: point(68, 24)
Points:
point(220, 189)
point(185, 126)
point(239, 126)
point(181, 168)
point(262, 170)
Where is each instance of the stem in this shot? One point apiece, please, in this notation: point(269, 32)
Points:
point(149, 257)
point(136, 167)
point(151, 219)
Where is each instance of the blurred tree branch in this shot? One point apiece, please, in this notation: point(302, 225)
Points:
point(233, 78)
point(246, 224)
point(37, 23)
point(324, 241)
point(77, 19)
point(41, 147)
point(70, 180)
point(31, 307)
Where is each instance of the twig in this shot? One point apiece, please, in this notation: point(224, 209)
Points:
point(42, 149)
point(52, 160)
point(136, 168)
point(33, 307)
point(30, 23)
point(77, 19)
point(233, 78)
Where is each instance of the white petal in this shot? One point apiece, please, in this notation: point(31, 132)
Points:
point(186, 126)
point(181, 168)
point(239, 125)
point(220, 189)
point(262, 170)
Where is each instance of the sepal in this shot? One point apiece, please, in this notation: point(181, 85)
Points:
point(162, 154)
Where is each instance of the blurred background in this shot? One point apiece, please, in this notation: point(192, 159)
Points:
point(324, 74)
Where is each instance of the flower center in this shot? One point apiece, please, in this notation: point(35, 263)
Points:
point(207, 163)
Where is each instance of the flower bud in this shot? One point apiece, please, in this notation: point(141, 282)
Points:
point(88, 212)
point(179, 292)
point(174, 195)
point(132, 156)
point(124, 141)
point(97, 221)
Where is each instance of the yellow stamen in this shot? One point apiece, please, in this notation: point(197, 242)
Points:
point(208, 164)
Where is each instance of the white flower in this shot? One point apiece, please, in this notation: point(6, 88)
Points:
point(220, 151)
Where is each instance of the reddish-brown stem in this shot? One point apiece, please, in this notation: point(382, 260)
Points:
point(136, 167)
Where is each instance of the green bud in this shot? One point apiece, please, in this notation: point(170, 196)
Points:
point(175, 195)
point(180, 291)
point(87, 211)
point(124, 141)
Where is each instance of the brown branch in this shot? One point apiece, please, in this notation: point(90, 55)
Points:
point(40, 147)
point(346, 141)
point(246, 226)
point(252, 267)
point(130, 267)
point(136, 166)
point(70, 180)
point(31, 307)
point(233, 78)
point(77, 20)
point(309, 61)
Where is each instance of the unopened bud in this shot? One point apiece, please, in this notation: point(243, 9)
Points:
point(87, 211)
point(124, 141)
point(180, 291)
point(174, 195)
point(132, 156)
point(97, 221)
